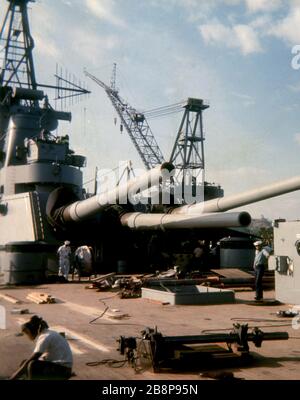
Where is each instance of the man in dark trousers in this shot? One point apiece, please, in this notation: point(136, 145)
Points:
point(262, 254)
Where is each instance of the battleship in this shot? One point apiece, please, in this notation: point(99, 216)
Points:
point(43, 201)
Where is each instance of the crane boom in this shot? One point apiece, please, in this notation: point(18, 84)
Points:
point(136, 125)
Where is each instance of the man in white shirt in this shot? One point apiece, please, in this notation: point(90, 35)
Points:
point(262, 254)
point(52, 357)
point(84, 260)
point(64, 255)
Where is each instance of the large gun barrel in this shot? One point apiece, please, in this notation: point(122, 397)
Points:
point(202, 215)
point(227, 203)
point(83, 209)
point(167, 221)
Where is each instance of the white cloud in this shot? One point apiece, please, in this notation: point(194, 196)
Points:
point(243, 37)
point(236, 179)
point(216, 33)
point(46, 47)
point(246, 100)
point(262, 22)
point(263, 5)
point(67, 3)
point(288, 29)
point(43, 29)
point(195, 10)
point(247, 39)
point(105, 10)
point(91, 46)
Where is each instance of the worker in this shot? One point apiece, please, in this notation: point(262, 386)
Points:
point(198, 257)
point(52, 357)
point(84, 260)
point(262, 254)
point(64, 254)
point(214, 255)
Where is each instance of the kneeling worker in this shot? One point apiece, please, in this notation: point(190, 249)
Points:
point(52, 357)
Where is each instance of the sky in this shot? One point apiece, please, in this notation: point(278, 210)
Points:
point(236, 54)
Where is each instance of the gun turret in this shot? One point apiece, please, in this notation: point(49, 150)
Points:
point(210, 214)
point(84, 209)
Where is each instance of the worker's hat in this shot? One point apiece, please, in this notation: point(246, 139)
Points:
point(67, 243)
point(257, 243)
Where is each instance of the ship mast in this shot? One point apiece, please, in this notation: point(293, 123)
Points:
point(16, 46)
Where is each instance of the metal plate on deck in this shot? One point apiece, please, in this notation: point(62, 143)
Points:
point(232, 273)
point(186, 295)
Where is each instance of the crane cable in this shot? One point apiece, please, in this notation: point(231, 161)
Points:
point(164, 110)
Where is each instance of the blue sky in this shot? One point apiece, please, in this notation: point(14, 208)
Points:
point(234, 53)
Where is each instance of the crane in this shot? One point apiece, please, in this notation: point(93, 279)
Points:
point(135, 123)
point(188, 150)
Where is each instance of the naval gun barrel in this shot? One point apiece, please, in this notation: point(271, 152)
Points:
point(83, 209)
point(232, 337)
point(229, 202)
point(164, 222)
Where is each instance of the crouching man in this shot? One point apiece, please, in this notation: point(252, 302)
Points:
point(52, 357)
